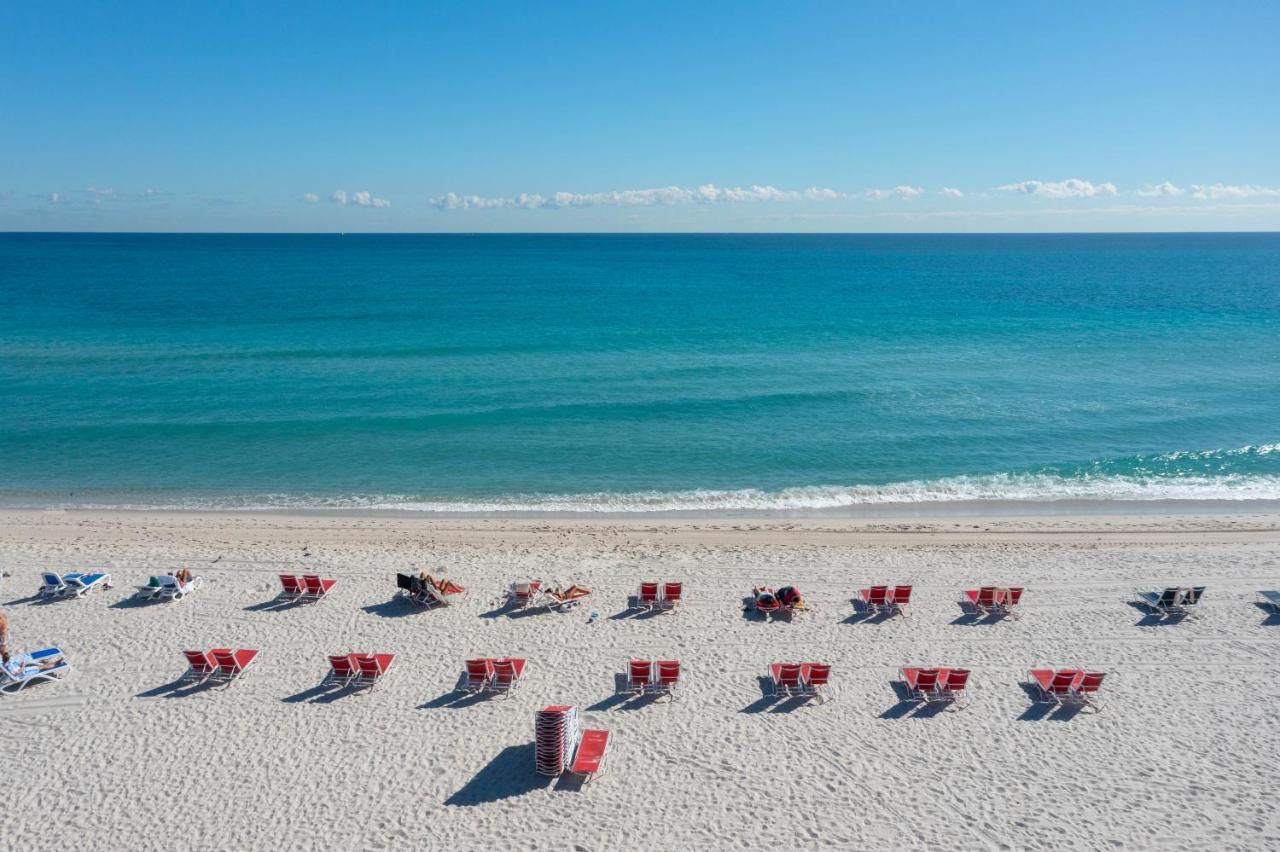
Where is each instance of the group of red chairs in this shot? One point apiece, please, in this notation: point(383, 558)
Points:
point(800, 679)
point(1069, 686)
point(661, 596)
point(992, 600)
point(936, 684)
point(486, 674)
point(357, 670)
point(886, 599)
point(220, 664)
point(659, 677)
point(308, 587)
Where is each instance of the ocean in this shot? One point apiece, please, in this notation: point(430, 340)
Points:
point(625, 373)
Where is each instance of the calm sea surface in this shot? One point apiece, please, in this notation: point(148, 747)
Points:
point(616, 373)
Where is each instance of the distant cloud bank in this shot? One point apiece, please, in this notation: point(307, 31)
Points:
point(667, 195)
point(1069, 188)
point(357, 199)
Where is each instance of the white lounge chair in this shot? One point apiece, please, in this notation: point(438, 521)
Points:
point(28, 671)
point(72, 585)
point(168, 587)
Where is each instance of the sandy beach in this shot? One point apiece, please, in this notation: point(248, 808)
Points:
point(1183, 754)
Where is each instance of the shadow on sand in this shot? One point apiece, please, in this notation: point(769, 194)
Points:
point(509, 774)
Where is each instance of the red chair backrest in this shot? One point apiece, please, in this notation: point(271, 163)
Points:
point(312, 581)
point(901, 595)
point(987, 596)
point(668, 671)
point(199, 662)
point(226, 660)
point(818, 674)
point(1062, 681)
point(878, 595)
point(290, 583)
point(1091, 681)
point(956, 680)
point(649, 592)
point(927, 679)
point(672, 591)
point(504, 670)
point(479, 669)
point(341, 664)
point(789, 674)
point(640, 671)
point(1015, 595)
point(368, 664)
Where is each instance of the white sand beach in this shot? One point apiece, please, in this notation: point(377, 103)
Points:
point(1184, 753)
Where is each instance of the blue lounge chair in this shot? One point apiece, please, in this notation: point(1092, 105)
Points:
point(1166, 602)
point(79, 585)
point(28, 671)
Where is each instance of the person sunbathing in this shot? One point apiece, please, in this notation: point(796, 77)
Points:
point(17, 667)
point(448, 587)
point(183, 576)
point(789, 596)
point(764, 598)
point(570, 594)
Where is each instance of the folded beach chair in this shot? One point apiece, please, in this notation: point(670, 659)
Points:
point(522, 594)
point(814, 680)
point(1270, 600)
point(899, 599)
point(981, 600)
point(292, 587)
point(875, 599)
point(647, 597)
point(593, 748)
point(667, 677)
point(672, 595)
point(1166, 602)
point(786, 678)
point(201, 667)
point(342, 670)
point(921, 683)
point(316, 588)
point(371, 668)
point(639, 676)
point(53, 585)
point(477, 676)
point(1086, 689)
point(16, 681)
point(232, 664)
point(506, 675)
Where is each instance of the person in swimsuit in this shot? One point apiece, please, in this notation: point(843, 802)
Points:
point(17, 668)
point(789, 596)
point(765, 598)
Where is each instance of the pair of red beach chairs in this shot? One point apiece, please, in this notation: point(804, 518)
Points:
point(220, 664)
point(992, 600)
point(811, 680)
point(359, 671)
point(308, 587)
point(1069, 686)
point(886, 599)
point(664, 596)
point(937, 684)
point(653, 676)
point(487, 674)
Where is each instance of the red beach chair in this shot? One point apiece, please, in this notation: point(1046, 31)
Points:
point(671, 596)
point(875, 599)
point(899, 600)
point(639, 676)
point(522, 594)
point(981, 600)
point(506, 675)
point(815, 678)
point(921, 683)
point(372, 668)
point(201, 666)
point(593, 748)
point(478, 676)
point(316, 588)
point(786, 678)
point(342, 669)
point(232, 664)
point(668, 677)
point(1086, 689)
point(293, 587)
point(1055, 685)
point(951, 686)
point(647, 597)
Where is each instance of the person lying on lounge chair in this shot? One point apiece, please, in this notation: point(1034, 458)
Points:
point(789, 596)
point(765, 598)
point(570, 594)
point(183, 576)
point(17, 668)
point(448, 587)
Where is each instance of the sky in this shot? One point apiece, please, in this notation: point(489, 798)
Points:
point(743, 116)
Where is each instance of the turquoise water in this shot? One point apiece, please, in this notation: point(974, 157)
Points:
point(615, 373)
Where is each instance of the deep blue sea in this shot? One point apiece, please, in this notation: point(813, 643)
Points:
point(621, 373)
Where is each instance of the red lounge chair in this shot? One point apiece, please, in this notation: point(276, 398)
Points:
point(1086, 688)
point(921, 683)
point(1055, 685)
point(982, 600)
point(316, 588)
point(293, 587)
point(507, 675)
point(232, 664)
point(875, 599)
point(639, 676)
point(371, 667)
point(342, 669)
point(479, 675)
point(899, 599)
point(523, 594)
point(593, 748)
point(668, 677)
point(647, 598)
point(671, 596)
point(951, 686)
point(786, 678)
point(201, 666)
point(815, 679)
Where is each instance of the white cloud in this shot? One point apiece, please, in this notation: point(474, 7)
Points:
point(666, 195)
point(951, 192)
point(1218, 190)
point(311, 198)
point(54, 197)
point(906, 192)
point(1070, 188)
point(1160, 190)
point(361, 198)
